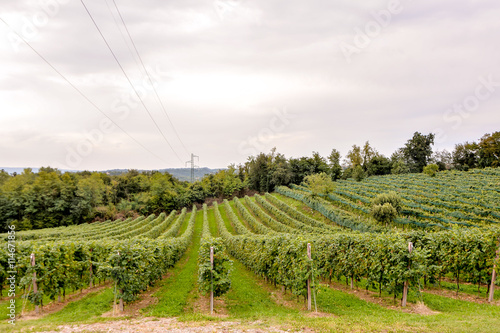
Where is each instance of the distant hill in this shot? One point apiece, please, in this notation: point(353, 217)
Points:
point(183, 174)
point(17, 170)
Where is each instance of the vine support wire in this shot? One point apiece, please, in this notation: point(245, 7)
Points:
point(25, 299)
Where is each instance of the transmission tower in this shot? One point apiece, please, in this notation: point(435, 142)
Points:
point(193, 156)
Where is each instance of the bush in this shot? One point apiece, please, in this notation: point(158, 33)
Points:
point(384, 213)
point(431, 170)
point(391, 198)
point(358, 174)
point(386, 207)
point(319, 183)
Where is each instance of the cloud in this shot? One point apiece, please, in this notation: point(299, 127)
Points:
point(224, 66)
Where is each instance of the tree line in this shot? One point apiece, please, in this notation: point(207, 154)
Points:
point(51, 198)
point(266, 171)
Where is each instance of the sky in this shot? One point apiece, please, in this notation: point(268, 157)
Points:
point(227, 79)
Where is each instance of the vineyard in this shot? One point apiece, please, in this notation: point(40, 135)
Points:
point(447, 236)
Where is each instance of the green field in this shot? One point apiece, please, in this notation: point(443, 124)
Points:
point(358, 266)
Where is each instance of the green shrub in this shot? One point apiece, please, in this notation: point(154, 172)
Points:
point(431, 170)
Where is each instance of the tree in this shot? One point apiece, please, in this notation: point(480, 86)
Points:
point(465, 156)
point(224, 184)
point(358, 173)
point(368, 153)
point(319, 183)
point(353, 157)
point(304, 166)
point(399, 164)
point(443, 159)
point(431, 170)
point(258, 171)
point(163, 195)
point(489, 150)
point(335, 168)
point(378, 165)
point(4, 176)
point(280, 172)
point(418, 151)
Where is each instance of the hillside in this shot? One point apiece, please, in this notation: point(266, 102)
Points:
point(424, 271)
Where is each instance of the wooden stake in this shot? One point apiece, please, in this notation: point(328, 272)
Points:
point(91, 278)
point(121, 301)
point(35, 288)
point(493, 278)
point(405, 287)
point(114, 302)
point(211, 280)
point(309, 280)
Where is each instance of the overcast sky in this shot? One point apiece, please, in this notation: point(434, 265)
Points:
point(239, 77)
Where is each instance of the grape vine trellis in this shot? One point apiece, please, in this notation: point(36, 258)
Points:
point(270, 238)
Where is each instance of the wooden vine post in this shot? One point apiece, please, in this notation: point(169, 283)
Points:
point(91, 277)
point(309, 280)
point(121, 301)
point(120, 304)
point(405, 288)
point(35, 288)
point(211, 280)
point(493, 278)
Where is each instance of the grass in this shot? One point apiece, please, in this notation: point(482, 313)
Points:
point(87, 309)
point(252, 303)
point(28, 306)
point(184, 224)
point(247, 299)
point(90, 306)
point(175, 290)
point(213, 227)
point(226, 220)
point(466, 288)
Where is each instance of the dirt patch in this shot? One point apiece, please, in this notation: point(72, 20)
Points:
point(202, 305)
point(319, 315)
point(461, 296)
point(55, 306)
point(155, 325)
point(421, 309)
point(283, 299)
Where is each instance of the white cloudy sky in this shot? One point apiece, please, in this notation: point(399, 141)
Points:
point(237, 77)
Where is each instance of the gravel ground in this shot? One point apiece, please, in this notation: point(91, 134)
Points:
point(162, 325)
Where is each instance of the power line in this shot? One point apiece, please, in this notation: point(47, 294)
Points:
point(149, 77)
point(129, 81)
point(121, 34)
point(80, 92)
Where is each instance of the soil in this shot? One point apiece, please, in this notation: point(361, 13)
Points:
point(165, 325)
point(202, 305)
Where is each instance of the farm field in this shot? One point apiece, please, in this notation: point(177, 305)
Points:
point(150, 266)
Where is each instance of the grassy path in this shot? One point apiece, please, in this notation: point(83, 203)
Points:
point(175, 290)
point(87, 309)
